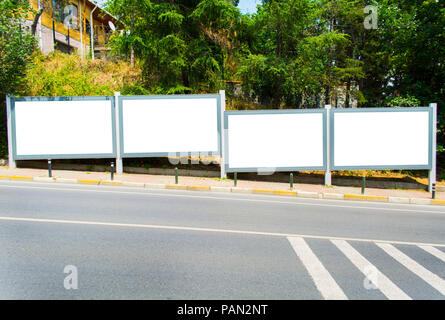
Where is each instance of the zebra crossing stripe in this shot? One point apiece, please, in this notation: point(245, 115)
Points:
point(432, 279)
point(386, 286)
point(435, 252)
point(324, 282)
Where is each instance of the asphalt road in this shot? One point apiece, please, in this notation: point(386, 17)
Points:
point(132, 243)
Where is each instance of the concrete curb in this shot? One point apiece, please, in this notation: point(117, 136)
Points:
point(153, 185)
point(65, 180)
point(298, 194)
point(398, 200)
point(133, 184)
point(44, 179)
point(334, 196)
point(306, 194)
point(220, 189)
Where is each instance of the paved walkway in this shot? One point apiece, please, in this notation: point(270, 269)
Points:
point(5, 172)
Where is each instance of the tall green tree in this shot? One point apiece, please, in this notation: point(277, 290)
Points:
point(182, 45)
point(297, 53)
point(16, 46)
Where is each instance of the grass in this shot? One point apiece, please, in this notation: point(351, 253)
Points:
point(60, 74)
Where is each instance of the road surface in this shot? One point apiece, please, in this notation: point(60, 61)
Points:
point(133, 243)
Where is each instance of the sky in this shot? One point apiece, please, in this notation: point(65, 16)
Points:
point(246, 6)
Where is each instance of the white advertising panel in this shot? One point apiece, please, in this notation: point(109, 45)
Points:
point(159, 126)
point(62, 129)
point(386, 139)
point(275, 140)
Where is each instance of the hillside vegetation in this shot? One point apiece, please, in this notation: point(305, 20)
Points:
point(60, 74)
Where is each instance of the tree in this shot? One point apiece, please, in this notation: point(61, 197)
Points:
point(296, 54)
point(182, 45)
point(16, 46)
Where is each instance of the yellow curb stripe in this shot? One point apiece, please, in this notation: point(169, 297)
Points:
point(175, 186)
point(438, 201)
point(4, 177)
point(354, 197)
point(89, 181)
point(286, 193)
point(266, 191)
point(362, 197)
point(20, 178)
point(198, 188)
point(378, 198)
point(111, 182)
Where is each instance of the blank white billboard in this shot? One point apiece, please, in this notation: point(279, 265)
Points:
point(276, 141)
point(158, 126)
point(62, 129)
point(389, 139)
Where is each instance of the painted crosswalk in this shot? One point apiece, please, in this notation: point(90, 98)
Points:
point(373, 277)
point(326, 285)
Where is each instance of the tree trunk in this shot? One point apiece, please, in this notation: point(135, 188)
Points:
point(327, 96)
point(35, 21)
point(348, 87)
point(277, 86)
point(132, 48)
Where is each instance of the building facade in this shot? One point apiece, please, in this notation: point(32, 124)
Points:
point(73, 26)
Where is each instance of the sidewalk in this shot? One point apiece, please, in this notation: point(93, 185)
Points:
point(224, 185)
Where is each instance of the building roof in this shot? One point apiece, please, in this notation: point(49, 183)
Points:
point(99, 14)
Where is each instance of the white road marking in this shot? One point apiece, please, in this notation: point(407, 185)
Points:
point(386, 286)
point(432, 279)
point(435, 252)
point(183, 228)
point(324, 282)
point(168, 193)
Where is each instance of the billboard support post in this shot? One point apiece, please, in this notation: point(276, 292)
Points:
point(11, 160)
point(119, 163)
point(432, 171)
point(327, 174)
point(223, 160)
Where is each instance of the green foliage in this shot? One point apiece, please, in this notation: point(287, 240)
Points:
point(60, 74)
point(289, 54)
point(408, 101)
point(183, 46)
point(16, 46)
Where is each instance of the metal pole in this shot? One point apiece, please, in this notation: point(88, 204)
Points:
point(363, 183)
point(235, 178)
point(81, 29)
point(291, 180)
point(176, 175)
point(119, 163)
point(112, 171)
point(91, 32)
point(432, 172)
point(222, 135)
point(327, 174)
point(40, 26)
point(68, 40)
point(49, 168)
point(54, 35)
point(11, 160)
